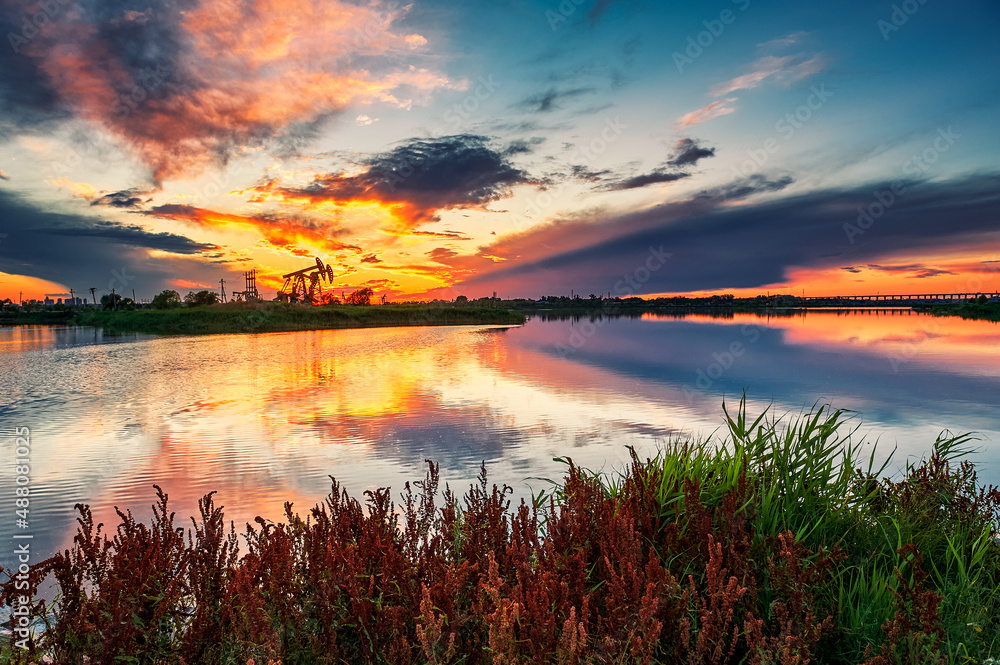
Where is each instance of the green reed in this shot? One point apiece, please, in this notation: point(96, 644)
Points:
point(808, 475)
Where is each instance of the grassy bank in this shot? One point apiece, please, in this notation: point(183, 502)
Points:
point(989, 311)
point(277, 317)
point(766, 546)
point(50, 317)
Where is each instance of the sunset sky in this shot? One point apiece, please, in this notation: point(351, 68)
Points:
point(440, 148)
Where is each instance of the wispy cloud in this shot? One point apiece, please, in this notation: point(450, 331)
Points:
point(740, 189)
point(786, 69)
point(714, 110)
point(652, 178)
point(448, 235)
point(915, 270)
point(686, 152)
point(783, 42)
point(552, 99)
point(599, 9)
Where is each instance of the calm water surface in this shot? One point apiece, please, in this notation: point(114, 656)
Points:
point(266, 418)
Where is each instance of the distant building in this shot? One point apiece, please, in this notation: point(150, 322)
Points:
point(48, 301)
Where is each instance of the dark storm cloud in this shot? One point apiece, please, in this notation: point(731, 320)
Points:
point(687, 152)
point(126, 198)
point(714, 247)
point(19, 217)
point(427, 175)
point(744, 187)
point(111, 30)
point(134, 236)
point(73, 249)
point(27, 99)
point(551, 99)
point(462, 168)
point(523, 146)
point(581, 172)
point(586, 173)
point(644, 179)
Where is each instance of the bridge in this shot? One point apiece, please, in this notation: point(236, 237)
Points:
point(901, 300)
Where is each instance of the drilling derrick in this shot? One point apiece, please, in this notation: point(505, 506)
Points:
point(251, 288)
point(306, 285)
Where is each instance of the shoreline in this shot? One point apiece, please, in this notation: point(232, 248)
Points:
point(989, 311)
point(268, 317)
point(281, 317)
point(968, 311)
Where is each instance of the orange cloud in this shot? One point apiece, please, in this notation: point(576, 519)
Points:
point(227, 75)
point(714, 110)
point(279, 231)
point(79, 189)
point(188, 284)
point(785, 69)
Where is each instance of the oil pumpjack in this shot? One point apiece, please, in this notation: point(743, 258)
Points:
point(306, 285)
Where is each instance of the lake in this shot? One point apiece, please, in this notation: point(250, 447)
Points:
point(266, 418)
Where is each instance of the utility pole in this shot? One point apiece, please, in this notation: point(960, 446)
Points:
point(93, 293)
point(222, 287)
point(72, 297)
point(114, 299)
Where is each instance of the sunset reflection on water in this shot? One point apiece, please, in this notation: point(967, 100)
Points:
point(266, 418)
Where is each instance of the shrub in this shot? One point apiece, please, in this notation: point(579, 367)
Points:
point(166, 300)
point(193, 299)
point(770, 546)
